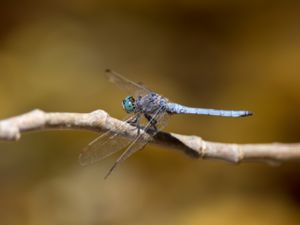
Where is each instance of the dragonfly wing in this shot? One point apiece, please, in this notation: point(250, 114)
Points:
point(134, 146)
point(126, 84)
point(103, 146)
point(160, 117)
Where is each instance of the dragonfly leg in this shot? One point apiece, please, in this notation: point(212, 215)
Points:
point(136, 123)
point(152, 121)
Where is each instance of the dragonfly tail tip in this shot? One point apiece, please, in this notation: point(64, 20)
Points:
point(247, 113)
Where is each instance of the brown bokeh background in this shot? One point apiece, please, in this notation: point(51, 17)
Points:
point(218, 54)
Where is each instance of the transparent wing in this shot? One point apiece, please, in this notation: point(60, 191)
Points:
point(103, 146)
point(161, 121)
point(131, 87)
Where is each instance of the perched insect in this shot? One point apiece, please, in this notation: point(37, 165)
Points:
point(143, 102)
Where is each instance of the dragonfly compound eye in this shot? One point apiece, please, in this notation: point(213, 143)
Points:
point(128, 104)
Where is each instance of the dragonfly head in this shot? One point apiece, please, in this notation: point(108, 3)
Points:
point(129, 104)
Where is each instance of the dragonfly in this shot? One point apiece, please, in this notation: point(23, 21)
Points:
point(141, 103)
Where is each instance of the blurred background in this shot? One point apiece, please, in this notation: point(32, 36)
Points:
point(217, 54)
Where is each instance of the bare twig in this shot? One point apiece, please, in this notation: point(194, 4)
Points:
point(100, 121)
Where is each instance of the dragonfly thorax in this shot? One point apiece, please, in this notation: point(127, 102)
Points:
point(129, 104)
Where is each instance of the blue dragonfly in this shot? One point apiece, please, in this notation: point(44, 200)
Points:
point(155, 108)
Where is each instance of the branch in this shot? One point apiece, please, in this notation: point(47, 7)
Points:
point(100, 121)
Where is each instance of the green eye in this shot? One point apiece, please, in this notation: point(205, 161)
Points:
point(129, 104)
